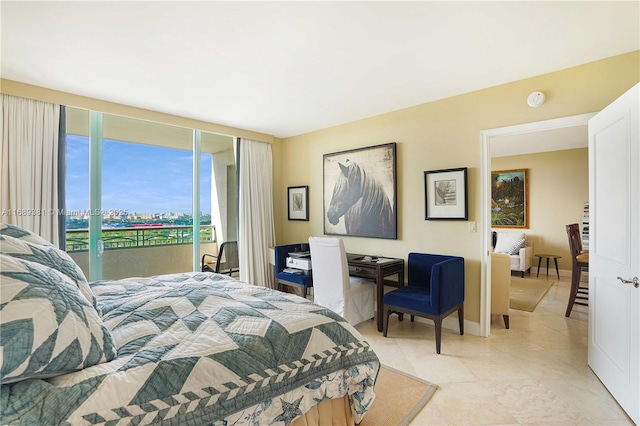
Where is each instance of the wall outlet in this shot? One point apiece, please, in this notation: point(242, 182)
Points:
point(472, 227)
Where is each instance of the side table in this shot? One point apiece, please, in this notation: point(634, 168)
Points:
point(555, 258)
point(377, 271)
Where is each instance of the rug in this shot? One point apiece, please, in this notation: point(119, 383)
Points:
point(526, 293)
point(399, 398)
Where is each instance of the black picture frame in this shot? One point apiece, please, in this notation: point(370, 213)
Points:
point(446, 194)
point(298, 202)
point(360, 192)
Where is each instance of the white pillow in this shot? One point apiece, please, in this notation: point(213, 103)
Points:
point(508, 240)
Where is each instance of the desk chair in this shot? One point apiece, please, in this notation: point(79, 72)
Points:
point(226, 262)
point(435, 289)
point(578, 295)
point(350, 297)
point(301, 281)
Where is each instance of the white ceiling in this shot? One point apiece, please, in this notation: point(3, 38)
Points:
point(540, 141)
point(286, 68)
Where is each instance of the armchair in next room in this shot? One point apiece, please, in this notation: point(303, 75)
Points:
point(517, 246)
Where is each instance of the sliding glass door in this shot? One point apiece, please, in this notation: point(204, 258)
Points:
point(138, 201)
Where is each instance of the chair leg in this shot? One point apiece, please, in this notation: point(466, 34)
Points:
point(575, 281)
point(521, 274)
point(506, 321)
point(386, 311)
point(412, 318)
point(438, 326)
point(461, 319)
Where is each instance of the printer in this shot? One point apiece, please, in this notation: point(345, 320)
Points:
point(298, 262)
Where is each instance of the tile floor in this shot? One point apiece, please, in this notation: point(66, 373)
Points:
point(535, 373)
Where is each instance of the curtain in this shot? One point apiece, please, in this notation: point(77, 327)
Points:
point(29, 165)
point(62, 178)
point(256, 231)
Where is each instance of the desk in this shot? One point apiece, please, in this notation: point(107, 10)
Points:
point(377, 271)
point(548, 256)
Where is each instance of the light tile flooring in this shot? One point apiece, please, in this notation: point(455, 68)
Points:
point(535, 373)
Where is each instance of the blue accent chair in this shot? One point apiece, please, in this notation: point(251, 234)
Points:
point(288, 279)
point(434, 290)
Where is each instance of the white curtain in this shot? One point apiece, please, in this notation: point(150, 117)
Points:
point(29, 165)
point(255, 211)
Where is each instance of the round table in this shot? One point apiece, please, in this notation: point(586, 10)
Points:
point(555, 258)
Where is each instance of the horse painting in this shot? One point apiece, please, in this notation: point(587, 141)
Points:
point(362, 201)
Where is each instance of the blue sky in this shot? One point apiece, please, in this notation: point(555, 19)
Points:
point(135, 177)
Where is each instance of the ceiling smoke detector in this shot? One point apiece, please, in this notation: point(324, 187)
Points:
point(535, 99)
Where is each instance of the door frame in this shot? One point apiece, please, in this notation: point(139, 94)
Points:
point(485, 184)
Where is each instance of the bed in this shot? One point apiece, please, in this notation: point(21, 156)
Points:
point(179, 349)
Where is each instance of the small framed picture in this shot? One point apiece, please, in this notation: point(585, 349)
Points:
point(445, 194)
point(298, 202)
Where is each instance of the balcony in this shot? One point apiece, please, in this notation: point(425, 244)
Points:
point(142, 251)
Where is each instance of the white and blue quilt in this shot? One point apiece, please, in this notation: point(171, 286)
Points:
point(202, 349)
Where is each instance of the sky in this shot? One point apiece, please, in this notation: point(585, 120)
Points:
point(137, 178)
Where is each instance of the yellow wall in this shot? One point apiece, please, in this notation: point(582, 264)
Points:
point(440, 135)
point(437, 135)
point(558, 189)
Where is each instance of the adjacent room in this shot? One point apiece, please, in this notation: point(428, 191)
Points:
point(302, 213)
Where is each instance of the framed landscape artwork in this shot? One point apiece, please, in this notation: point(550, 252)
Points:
point(510, 198)
point(359, 192)
point(298, 202)
point(445, 194)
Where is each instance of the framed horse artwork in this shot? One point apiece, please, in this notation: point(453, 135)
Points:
point(359, 192)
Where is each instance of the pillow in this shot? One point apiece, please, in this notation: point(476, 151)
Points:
point(515, 248)
point(23, 234)
point(508, 240)
point(49, 256)
point(47, 327)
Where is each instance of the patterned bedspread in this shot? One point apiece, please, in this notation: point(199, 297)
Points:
point(200, 349)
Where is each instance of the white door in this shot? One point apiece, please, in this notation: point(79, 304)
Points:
point(614, 249)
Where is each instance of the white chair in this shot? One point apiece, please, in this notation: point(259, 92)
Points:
point(518, 247)
point(333, 288)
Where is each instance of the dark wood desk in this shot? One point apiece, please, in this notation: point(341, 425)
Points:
point(377, 271)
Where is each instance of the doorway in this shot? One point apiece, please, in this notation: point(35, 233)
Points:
point(515, 140)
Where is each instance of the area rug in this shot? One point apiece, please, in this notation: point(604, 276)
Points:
point(399, 398)
point(527, 293)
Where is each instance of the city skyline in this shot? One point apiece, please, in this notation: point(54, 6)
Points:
point(138, 178)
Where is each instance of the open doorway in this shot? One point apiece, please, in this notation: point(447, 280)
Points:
point(550, 135)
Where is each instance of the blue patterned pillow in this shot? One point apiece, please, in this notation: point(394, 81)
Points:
point(49, 256)
point(47, 327)
point(23, 234)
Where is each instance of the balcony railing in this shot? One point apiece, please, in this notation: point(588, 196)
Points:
point(136, 237)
